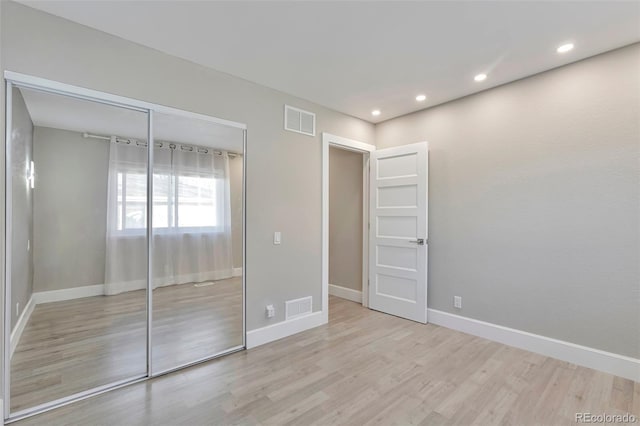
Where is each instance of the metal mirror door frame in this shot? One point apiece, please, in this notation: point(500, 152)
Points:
point(18, 80)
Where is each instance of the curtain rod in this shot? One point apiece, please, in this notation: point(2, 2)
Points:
point(158, 144)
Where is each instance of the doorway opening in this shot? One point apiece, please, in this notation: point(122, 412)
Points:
point(345, 217)
point(395, 237)
point(346, 229)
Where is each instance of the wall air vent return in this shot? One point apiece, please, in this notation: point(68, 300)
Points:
point(299, 121)
point(298, 307)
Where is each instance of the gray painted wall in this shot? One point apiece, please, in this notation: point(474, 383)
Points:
point(345, 218)
point(284, 168)
point(534, 208)
point(70, 209)
point(22, 207)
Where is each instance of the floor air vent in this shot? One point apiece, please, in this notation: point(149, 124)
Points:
point(298, 307)
point(299, 121)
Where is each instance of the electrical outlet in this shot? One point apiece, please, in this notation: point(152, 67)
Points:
point(271, 311)
point(457, 302)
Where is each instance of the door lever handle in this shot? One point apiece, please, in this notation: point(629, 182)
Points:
point(419, 241)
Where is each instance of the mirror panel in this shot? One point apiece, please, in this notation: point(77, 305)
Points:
point(78, 246)
point(197, 240)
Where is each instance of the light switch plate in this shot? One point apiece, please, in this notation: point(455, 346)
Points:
point(277, 237)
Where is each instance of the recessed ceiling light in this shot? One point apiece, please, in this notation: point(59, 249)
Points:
point(565, 48)
point(375, 112)
point(421, 98)
point(480, 77)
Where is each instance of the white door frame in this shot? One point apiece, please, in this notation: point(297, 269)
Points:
point(364, 148)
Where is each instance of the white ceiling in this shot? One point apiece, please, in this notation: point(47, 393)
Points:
point(356, 56)
point(63, 112)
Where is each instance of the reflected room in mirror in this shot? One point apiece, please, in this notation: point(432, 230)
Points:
point(197, 240)
point(95, 299)
point(66, 337)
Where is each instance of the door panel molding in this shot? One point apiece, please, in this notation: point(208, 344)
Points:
point(400, 222)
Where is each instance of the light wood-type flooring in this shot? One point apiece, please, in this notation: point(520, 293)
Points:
point(364, 368)
point(75, 345)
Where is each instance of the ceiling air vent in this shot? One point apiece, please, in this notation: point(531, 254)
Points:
point(299, 121)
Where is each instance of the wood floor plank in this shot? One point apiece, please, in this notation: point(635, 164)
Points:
point(364, 367)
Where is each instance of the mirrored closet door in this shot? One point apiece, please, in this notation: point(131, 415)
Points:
point(124, 242)
point(77, 232)
point(197, 240)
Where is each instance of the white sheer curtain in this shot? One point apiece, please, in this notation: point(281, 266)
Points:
point(191, 216)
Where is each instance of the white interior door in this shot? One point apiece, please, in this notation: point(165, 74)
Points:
point(398, 231)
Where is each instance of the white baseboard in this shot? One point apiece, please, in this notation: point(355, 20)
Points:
point(112, 289)
point(126, 286)
point(237, 272)
point(596, 359)
point(20, 325)
point(283, 329)
point(345, 293)
point(68, 294)
point(123, 287)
